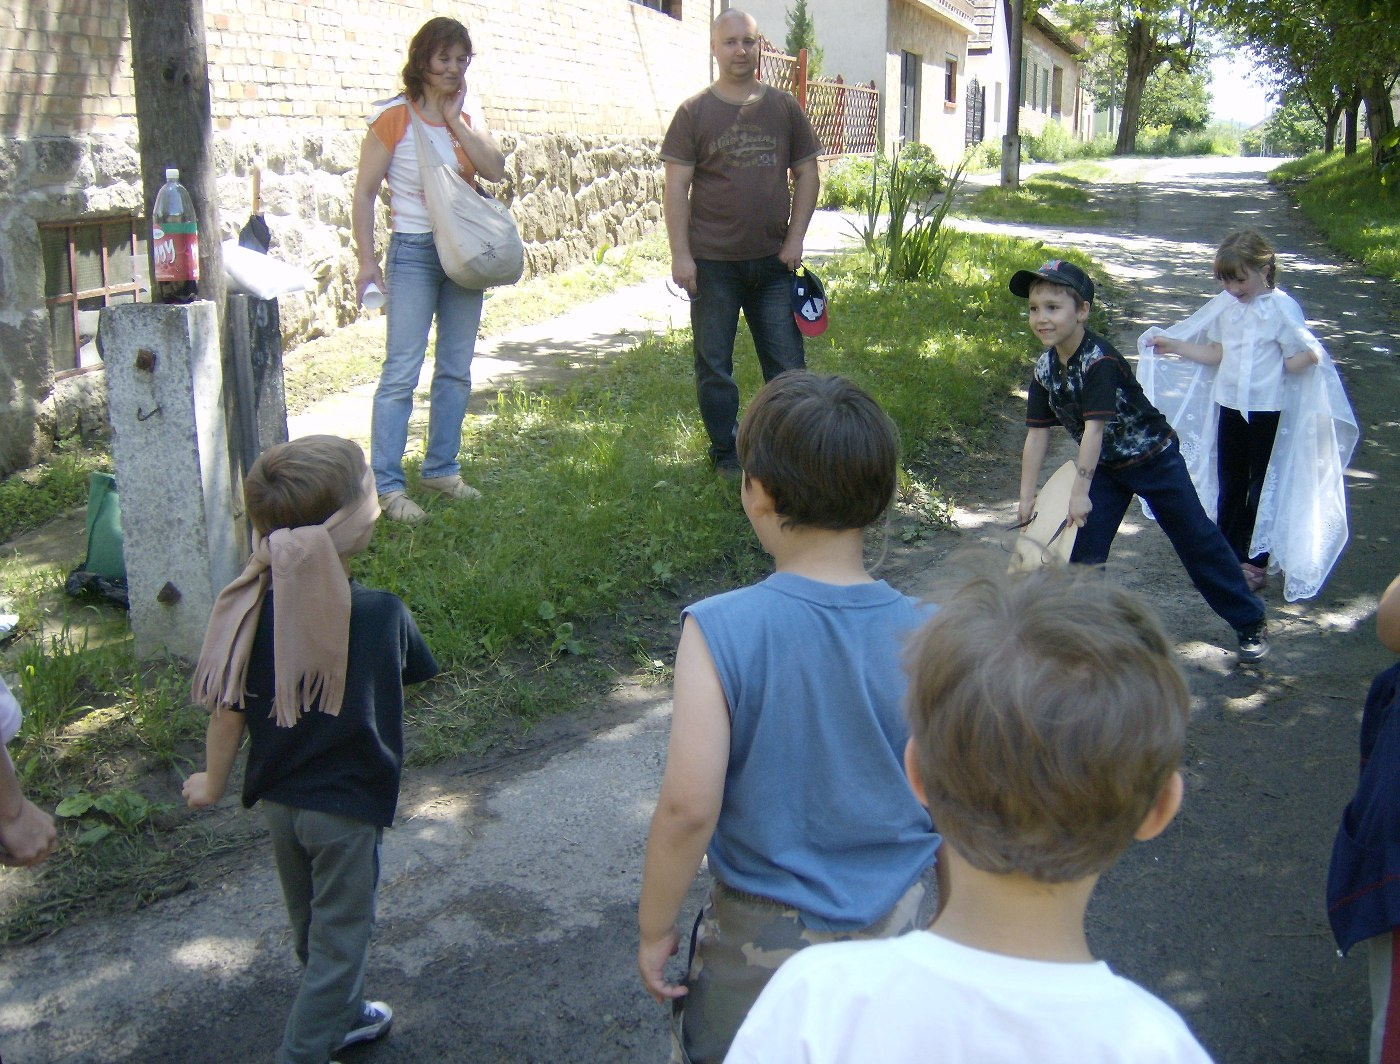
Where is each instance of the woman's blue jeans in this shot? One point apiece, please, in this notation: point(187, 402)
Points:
point(762, 289)
point(418, 291)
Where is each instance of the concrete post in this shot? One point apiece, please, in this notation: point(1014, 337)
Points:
point(170, 448)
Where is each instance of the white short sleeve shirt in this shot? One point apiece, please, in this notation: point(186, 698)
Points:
point(1256, 337)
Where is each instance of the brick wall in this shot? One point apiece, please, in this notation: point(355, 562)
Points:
point(578, 66)
point(915, 29)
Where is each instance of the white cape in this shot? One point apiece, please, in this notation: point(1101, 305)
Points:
point(1302, 521)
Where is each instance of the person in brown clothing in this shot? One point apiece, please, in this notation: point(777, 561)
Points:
point(735, 230)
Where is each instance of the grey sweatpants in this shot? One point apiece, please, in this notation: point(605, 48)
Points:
point(329, 868)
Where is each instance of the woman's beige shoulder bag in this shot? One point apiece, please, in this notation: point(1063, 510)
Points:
point(476, 238)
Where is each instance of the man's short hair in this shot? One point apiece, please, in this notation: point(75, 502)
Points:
point(303, 482)
point(1047, 713)
point(823, 450)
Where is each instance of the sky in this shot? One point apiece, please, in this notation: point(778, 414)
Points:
point(1237, 97)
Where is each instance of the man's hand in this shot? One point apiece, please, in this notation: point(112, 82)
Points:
point(683, 273)
point(791, 252)
point(651, 963)
point(28, 837)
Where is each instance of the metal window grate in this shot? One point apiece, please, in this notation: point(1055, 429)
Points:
point(89, 265)
point(666, 7)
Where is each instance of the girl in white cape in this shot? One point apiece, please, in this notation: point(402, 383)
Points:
point(1264, 423)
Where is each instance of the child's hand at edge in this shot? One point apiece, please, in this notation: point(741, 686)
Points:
point(198, 791)
point(651, 963)
point(28, 837)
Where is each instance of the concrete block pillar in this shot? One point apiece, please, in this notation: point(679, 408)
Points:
point(170, 448)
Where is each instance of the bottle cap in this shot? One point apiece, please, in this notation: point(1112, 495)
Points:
point(172, 174)
point(373, 298)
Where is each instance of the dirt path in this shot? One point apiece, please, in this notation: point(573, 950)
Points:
point(507, 899)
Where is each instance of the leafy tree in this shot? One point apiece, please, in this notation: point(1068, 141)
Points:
point(1133, 39)
point(1292, 130)
point(1179, 101)
point(802, 33)
point(1336, 54)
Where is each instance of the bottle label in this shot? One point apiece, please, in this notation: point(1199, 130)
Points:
point(176, 251)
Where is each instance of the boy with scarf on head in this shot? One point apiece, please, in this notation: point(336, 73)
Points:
point(314, 665)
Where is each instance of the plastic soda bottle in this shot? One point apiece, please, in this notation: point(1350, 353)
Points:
point(175, 242)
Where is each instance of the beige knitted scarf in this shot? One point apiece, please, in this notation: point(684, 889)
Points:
point(310, 615)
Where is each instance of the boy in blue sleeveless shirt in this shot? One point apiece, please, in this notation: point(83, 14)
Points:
point(787, 735)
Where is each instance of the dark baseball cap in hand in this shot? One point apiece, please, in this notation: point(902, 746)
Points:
point(1057, 271)
point(808, 302)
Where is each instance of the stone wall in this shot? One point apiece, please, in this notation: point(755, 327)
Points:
point(577, 91)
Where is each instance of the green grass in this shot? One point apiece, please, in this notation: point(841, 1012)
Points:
point(1343, 196)
point(1063, 196)
point(34, 496)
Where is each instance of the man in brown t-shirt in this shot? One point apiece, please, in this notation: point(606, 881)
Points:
point(735, 231)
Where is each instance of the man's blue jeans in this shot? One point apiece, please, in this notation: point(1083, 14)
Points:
point(762, 289)
point(418, 290)
point(1163, 481)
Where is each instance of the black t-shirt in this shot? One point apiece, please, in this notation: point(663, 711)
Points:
point(1097, 384)
point(348, 764)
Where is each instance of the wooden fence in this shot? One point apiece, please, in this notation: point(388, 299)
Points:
point(845, 117)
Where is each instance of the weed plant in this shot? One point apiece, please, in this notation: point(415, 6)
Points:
point(1345, 197)
point(911, 244)
point(34, 496)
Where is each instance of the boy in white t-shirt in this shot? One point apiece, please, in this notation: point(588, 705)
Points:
point(1048, 719)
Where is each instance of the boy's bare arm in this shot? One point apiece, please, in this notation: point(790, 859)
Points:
point(1089, 447)
point(687, 810)
point(1032, 458)
point(221, 745)
point(27, 834)
point(1388, 617)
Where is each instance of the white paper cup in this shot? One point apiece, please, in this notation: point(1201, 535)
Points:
point(373, 298)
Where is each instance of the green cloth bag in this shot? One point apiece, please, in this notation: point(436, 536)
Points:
point(104, 528)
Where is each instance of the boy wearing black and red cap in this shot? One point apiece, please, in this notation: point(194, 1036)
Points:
point(1126, 448)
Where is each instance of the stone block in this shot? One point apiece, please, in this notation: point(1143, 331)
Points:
point(170, 449)
point(25, 380)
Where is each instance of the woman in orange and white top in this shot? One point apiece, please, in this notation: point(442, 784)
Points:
point(435, 86)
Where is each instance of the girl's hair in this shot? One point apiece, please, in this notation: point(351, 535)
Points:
point(433, 36)
point(1244, 249)
point(303, 482)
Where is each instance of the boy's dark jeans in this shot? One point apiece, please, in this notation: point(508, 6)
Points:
point(1166, 486)
point(762, 289)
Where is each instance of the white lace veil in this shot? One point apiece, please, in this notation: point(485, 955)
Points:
point(1302, 521)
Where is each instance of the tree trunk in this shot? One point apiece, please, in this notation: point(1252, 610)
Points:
point(1350, 136)
point(174, 128)
point(1141, 58)
point(1380, 118)
point(1329, 136)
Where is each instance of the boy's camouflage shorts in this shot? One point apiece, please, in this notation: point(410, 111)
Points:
point(738, 943)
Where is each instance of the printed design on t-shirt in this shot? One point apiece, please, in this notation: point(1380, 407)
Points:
point(1132, 433)
point(747, 147)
